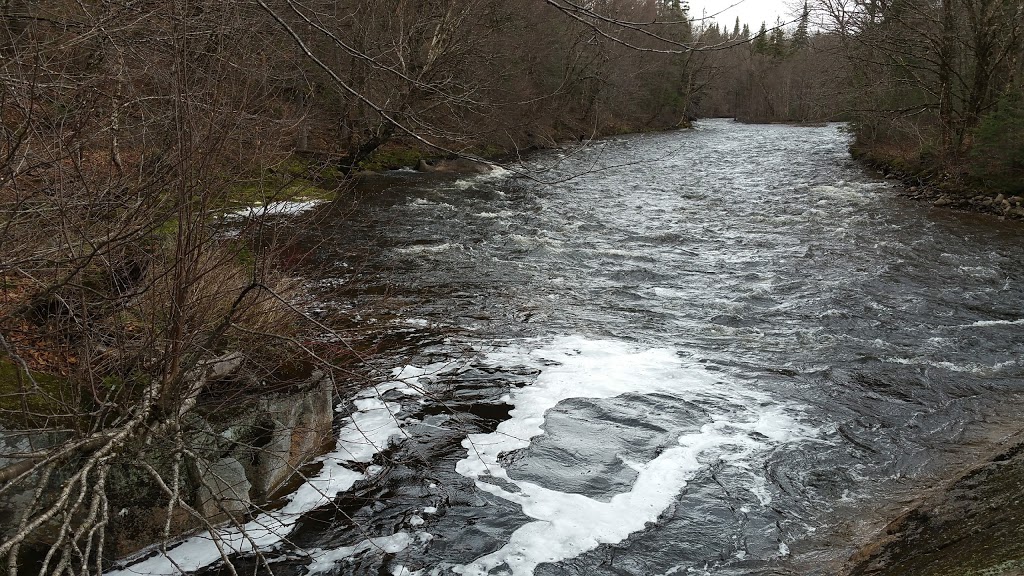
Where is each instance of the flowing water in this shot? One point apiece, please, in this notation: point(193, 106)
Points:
point(721, 351)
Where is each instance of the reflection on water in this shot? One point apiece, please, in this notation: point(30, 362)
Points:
point(730, 353)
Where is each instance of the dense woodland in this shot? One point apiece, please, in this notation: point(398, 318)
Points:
point(934, 90)
point(129, 128)
point(128, 321)
point(937, 86)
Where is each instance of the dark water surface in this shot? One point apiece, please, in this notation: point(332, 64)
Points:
point(721, 351)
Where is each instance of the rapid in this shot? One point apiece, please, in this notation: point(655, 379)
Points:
point(729, 350)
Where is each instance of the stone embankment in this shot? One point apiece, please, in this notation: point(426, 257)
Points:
point(257, 451)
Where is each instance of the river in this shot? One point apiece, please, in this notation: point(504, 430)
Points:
point(728, 350)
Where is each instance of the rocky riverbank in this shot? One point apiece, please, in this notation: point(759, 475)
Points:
point(973, 526)
point(940, 191)
point(998, 204)
point(241, 456)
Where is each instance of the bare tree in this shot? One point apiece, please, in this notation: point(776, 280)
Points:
point(128, 320)
point(929, 66)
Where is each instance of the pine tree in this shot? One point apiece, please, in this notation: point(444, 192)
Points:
point(746, 32)
point(736, 29)
point(777, 42)
point(761, 42)
point(801, 38)
point(673, 8)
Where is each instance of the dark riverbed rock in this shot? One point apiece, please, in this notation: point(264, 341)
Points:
point(454, 166)
point(973, 527)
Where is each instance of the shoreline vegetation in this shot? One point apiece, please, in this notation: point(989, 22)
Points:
point(942, 192)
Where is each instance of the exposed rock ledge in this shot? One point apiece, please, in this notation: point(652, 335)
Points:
point(972, 527)
point(244, 456)
point(260, 449)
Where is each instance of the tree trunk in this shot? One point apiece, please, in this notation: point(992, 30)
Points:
point(947, 53)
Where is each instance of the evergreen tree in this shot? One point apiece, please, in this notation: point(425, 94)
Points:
point(761, 42)
point(777, 42)
point(746, 32)
point(736, 29)
point(801, 38)
point(674, 8)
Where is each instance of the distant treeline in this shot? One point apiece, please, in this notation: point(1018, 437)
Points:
point(783, 72)
point(933, 88)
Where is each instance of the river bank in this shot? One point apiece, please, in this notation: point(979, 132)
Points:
point(942, 192)
point(971, 526)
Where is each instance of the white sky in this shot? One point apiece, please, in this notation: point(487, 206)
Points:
point(751, 12)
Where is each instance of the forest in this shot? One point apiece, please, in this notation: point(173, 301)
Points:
point(131, 325)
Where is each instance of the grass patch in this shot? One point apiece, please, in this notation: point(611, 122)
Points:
point(294, 178)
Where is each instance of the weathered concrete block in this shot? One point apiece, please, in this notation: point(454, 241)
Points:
point(224, 489)
point(302, 425)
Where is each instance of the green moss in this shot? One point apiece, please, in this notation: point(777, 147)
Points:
point(488, 151)
point(392, 158)
point(274, 189)
point(166, 231)
point(17, 393)
point(294, 166)
point(1004, 569)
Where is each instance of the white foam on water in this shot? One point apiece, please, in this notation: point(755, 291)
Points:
point(417, 322)
point(428, 248)
point(968, 368)
point(495, 173)
point(282, 208)
point(760, 490)
point(662, 292)
point(369, 430)
point(985, 323)
point(567, 525)
point(324, 560)
point(425, 202)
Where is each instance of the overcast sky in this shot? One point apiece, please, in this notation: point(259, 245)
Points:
point(752, 12)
